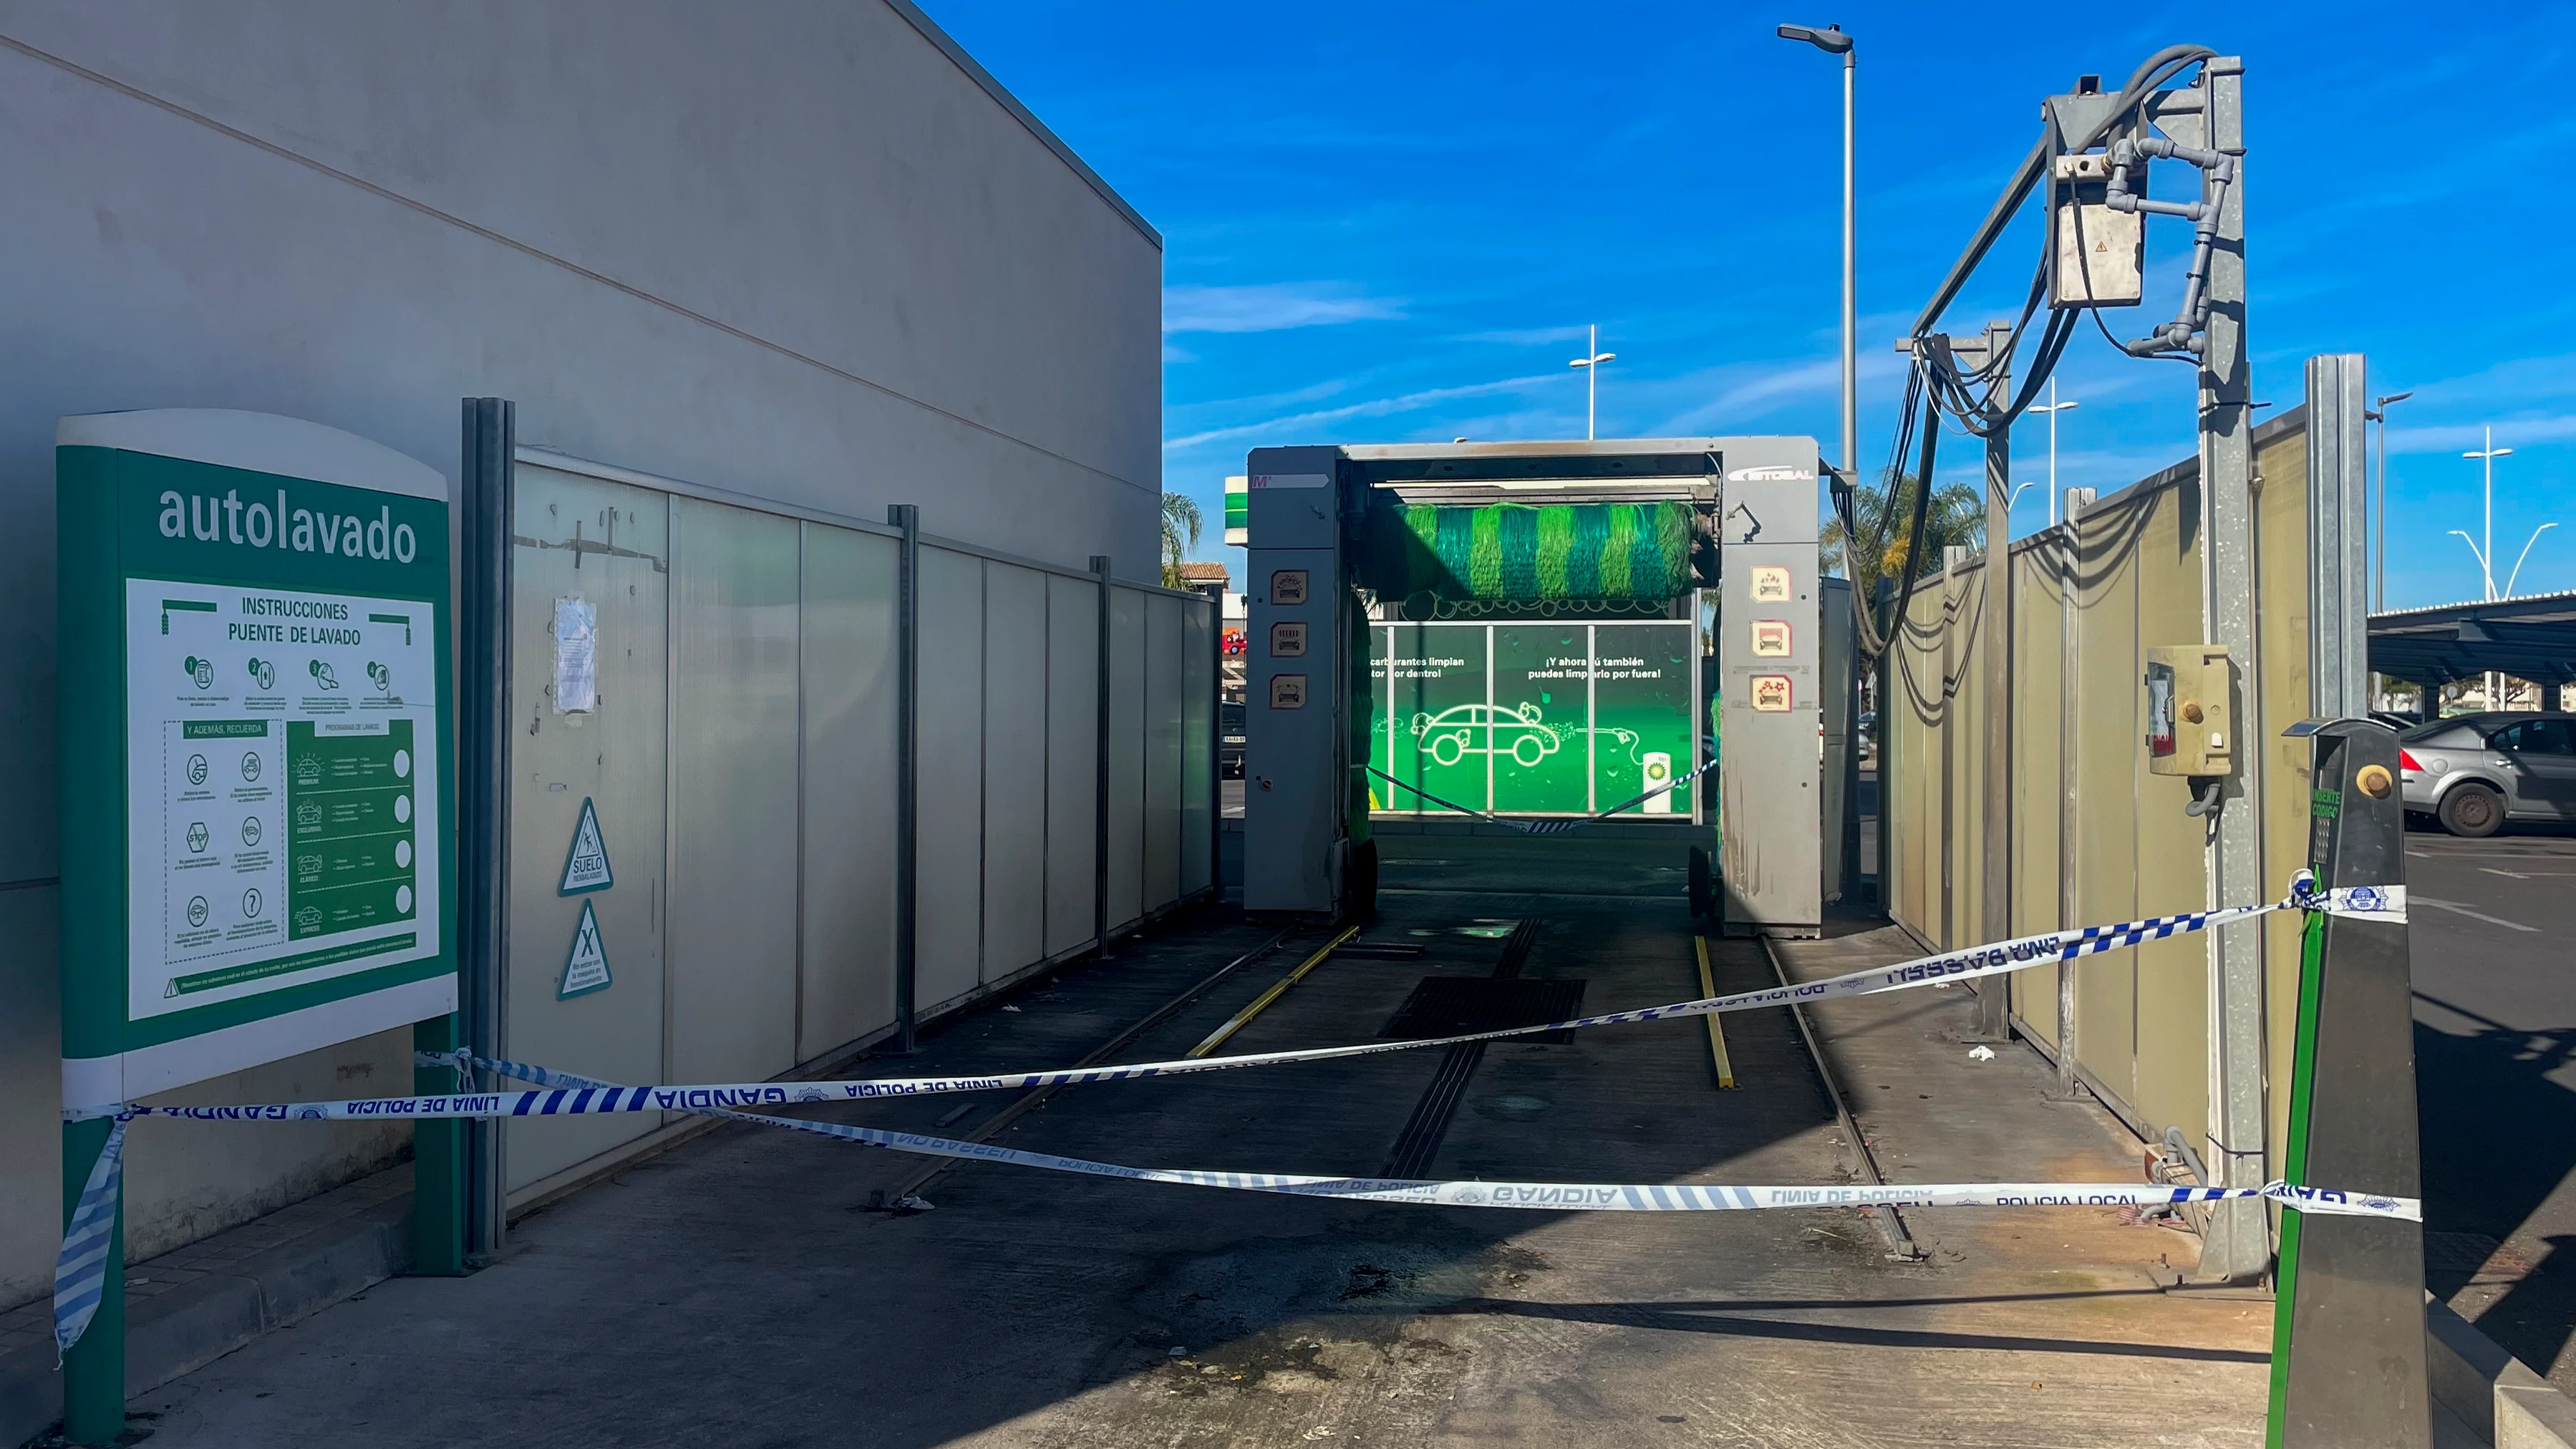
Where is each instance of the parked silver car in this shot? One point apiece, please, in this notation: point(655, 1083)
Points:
point(2473, 772)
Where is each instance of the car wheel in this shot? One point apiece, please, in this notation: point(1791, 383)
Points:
point(1528, 750)
point(1448, 750)
point(2472, 811)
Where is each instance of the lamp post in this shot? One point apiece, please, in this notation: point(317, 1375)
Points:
point(2486, 457)
point(1833, 40)
point(2379, 574)
point(2053, 407)
point(1590, 363)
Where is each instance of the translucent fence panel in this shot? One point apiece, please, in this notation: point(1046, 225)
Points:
point(592, 553)
point(1126, 756)
point(2096, 836)
point(733, 793)
point(949, 740)
point(1073, 745)
point(1015, 768)
point(739, 763)
point(1198, 763)
point(847, 968)
point(1166, 671)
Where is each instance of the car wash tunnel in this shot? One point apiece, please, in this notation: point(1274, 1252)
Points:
point(1544, 1080)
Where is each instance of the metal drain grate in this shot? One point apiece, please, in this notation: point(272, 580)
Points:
point(1461, 1005)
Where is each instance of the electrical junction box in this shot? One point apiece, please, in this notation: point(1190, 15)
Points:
point(2189, 730)
point(2096, 257)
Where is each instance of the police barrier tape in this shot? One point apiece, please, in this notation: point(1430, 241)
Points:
point(80, 1268)
point(1546, 827)
point(2380, 903)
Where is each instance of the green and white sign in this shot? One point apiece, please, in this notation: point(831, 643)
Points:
point(256, 790)
point(586, 865)
point(1536, 717)
point(586, 964)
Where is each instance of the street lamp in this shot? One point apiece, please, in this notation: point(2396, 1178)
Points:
point(2486, 456)
point(2486, 552)
point(2379, 415)
point(1591, 362)
point(1833, 40)
point(2526, 553)
point(2053, 407)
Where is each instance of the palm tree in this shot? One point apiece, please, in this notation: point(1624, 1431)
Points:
point(1957, 518)
point(1181, 525)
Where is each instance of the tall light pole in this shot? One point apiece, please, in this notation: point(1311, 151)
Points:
point(2379, 577)
point(2053, 407)
point(1590, 362)
point(2486, 457)
point(1834, 41)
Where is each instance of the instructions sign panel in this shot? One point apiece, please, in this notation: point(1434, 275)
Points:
point(257, 807)
point(273, 804)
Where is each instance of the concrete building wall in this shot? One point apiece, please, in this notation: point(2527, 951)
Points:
point(801, 250)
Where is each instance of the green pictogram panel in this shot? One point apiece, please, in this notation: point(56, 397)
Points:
point(1536, 717)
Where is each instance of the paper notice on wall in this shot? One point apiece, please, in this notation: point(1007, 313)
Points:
point(576, 657)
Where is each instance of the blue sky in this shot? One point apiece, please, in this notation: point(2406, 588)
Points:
point(1391, 223)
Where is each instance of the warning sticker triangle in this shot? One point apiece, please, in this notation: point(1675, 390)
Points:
point(586, 862)
point(586, 967)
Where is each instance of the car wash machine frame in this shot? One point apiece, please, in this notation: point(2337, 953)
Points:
point(1721, 531)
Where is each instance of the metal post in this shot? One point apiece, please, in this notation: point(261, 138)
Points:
point(1216, 742)
point(2070, 625)
point(1851, 289)
point(483, 775)
point(1994, 992)
point(2238, 1247)
point(907, 809)
point(1100, 796)
point(1892, 630)
point(2338, 556)
point(2348, 1354)
point(94, 1369)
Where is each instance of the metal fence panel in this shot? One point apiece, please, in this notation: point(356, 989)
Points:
point(733, 793)
point(1015, 768)
point(1165, 674)
point(605, 547)
point(2173, 975)
point(1198, 720)
point(846, 971)
point(1126, 756)
point(948, 949)
point(1072, 743)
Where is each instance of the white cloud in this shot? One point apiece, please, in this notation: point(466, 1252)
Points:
point(1527, 336)
point(1376, 407)
point(2509, 433)
point(1269, 307)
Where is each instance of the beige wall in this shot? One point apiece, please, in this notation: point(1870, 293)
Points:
point(2095, 837)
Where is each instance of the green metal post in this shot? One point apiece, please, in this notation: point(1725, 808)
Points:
point(94, 1371)
point(438, 1161)
point(2348, 1362)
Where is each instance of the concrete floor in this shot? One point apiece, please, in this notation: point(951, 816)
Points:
point(738, 1291)
point(2495, 1074)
